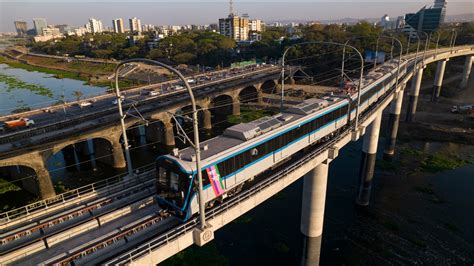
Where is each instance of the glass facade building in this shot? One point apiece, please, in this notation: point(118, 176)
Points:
point(427, 19)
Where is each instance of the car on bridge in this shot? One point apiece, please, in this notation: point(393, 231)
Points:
point(115, 101)
point(85, 104)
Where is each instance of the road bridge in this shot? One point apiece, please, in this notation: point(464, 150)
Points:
point(138, 246)
point(31, 148)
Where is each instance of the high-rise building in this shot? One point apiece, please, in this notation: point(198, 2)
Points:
point(94, 26)
point(234, 27)
point(39, 24)
point(21, 28)
point(256, 25)
point(427, 19)
point(63, 28)
point(118, 25)
point(135, 25)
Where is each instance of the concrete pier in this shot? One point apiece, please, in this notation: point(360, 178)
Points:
point(467, 71)
point(438, 82)
point(119, 157)
point(236, 108)
point(312, 213)
point(414, 93)
point(367, 163)
point(393, 121)
point(206, 120)
point(168, 134)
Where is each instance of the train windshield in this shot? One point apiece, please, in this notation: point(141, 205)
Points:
point(172, 184)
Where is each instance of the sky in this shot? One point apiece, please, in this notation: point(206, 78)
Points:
point(181, 12)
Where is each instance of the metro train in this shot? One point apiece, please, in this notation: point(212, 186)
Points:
point(243, 151)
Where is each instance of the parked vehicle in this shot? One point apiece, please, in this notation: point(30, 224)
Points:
point(18, 123)
point(178, 87)
point(191, 81)
point(2, 126)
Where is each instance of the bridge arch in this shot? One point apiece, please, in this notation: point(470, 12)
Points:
point(221, 107)
point(250, 94)
point(25, 180)
point(269, 86)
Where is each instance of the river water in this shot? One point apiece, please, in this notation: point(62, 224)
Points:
point(35, 89)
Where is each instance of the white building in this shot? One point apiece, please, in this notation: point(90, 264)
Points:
point(135, 25)
point(94, 26)
point(256, 25)
point(118, 25)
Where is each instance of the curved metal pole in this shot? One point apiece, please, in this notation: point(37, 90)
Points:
point(417, 50)
point(408, 43)
point(426, 46)
point(376, 52)
point(343, 64)
point(455, 35)
point(332, 43)
point(195, 126)
point(401, 52)
point(437, 42)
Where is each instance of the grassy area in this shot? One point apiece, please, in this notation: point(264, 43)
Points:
point(77, 71)
point(248, 115)
point(6, 186)
point(57, 73)
point(438, 162)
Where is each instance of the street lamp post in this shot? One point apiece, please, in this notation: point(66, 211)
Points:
point(344, 45)
point(196, 146)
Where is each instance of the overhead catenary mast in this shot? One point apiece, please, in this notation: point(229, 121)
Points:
point(231, 8)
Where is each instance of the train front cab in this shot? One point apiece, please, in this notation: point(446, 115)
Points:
point(173, 186)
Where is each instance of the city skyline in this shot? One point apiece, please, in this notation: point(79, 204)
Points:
point(205, 13)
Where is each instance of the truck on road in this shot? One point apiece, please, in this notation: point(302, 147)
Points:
point(19, 123)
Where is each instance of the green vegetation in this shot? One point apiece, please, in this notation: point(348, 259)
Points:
point(6, 186)
point(60, 74)
point(212, 49)
point(17, 64)
point(13, 83)
point(207, 255)
point(248, 115)
point(438, 162)
point(60, 188)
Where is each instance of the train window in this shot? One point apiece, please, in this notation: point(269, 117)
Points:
point(173, 181)
point(205, 178)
